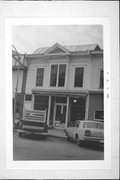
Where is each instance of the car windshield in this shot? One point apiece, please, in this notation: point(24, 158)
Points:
point(93, 125)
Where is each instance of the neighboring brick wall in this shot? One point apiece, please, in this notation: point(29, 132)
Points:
point(96, 102)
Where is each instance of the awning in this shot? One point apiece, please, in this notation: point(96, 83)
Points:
point(60, 92)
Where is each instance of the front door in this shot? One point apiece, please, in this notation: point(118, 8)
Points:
point(60, 115)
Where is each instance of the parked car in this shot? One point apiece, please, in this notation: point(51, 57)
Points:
point(86, 130)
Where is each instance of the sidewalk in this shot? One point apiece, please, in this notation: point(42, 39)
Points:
point(57, 133)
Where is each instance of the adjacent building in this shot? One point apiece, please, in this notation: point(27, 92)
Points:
point(66, 81)
point(19, 74)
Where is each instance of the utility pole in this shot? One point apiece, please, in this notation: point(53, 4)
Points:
point(16, 89)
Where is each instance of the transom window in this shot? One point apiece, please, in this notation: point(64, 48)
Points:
point(61, 100)
point(39, 76)
point(78, 81)
point(101, 79)
point(57, 77)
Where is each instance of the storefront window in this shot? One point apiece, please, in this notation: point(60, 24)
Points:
point(40, 102)
point(77, 108)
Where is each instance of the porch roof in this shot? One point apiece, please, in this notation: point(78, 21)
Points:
point(60, 92)
point(72, 48)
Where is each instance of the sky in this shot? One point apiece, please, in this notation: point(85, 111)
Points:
point(28, 38)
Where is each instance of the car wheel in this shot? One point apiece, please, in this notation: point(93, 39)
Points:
point(68, 138)
point(79, 142)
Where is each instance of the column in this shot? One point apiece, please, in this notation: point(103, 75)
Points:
point(87, 107)
point(67, 112)
point(32, 102)
point(49, 108)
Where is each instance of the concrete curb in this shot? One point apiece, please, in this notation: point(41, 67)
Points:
point(49, 135)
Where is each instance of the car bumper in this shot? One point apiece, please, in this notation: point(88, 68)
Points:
point(32, 129)
point(93, 139)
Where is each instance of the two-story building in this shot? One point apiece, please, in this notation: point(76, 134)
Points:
point(19, 74)
point(67, 82)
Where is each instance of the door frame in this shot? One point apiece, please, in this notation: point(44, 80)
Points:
point(62, 104)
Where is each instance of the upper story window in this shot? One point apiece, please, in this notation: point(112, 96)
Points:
point(101, 79)
point(78, 82)
point(39, 76)
point(58, 73)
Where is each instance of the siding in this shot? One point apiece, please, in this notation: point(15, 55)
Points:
point(96, 66)
point(31, 75)
point(79, 62)
point(70, 71)
point(96, 102)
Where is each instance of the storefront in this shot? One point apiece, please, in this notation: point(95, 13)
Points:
point(61, 109)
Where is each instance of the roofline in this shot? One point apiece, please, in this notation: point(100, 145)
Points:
point(55, 46)
point(15, 54)
point(65, 47)
point(81, 53)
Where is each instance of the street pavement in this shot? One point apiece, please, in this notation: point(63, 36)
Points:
point(53, 147)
